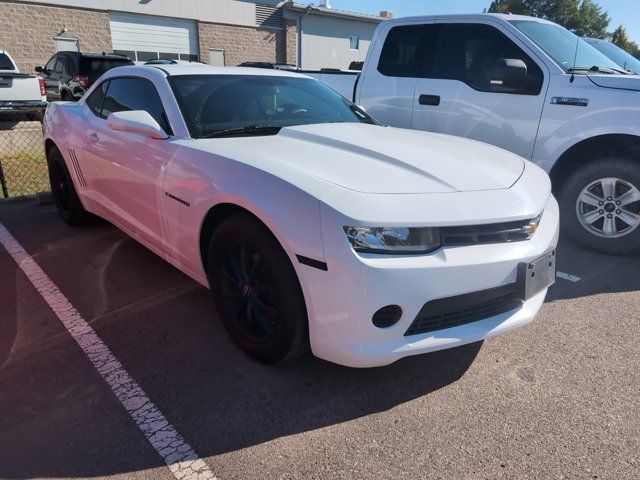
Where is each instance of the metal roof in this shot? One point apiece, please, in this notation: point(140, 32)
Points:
point(302, 8)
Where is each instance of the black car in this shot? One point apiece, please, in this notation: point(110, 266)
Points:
point(67, 75)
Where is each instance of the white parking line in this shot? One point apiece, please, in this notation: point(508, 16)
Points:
point(177, 454)
point(566, 276)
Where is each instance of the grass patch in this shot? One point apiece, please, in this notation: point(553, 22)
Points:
point(25, 172)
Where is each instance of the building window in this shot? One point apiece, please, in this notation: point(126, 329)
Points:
point(354, 42)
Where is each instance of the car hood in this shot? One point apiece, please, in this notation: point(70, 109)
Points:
point(622, 82)
point(375, 159)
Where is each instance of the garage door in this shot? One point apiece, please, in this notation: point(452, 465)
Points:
point(144, 38)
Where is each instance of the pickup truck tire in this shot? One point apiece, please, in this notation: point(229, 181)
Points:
point(600, 206)
point(64, 192)
point(256, 290)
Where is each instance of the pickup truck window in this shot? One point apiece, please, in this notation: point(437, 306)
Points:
point(470, 52)
point(5, 62)
point(399, 56)
point(565, 48)
point(213, 105)
point(463, 52)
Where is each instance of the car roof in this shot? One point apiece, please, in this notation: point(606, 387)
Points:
point(110, 56)
point(506, 17)
point(203, 69)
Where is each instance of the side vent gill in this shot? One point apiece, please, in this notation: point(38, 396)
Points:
point(76, 168)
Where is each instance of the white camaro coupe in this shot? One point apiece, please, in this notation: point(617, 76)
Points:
point(311, 223)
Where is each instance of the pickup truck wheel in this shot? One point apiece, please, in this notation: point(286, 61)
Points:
point(64, 193)
point(600, 206)
point(256, 290)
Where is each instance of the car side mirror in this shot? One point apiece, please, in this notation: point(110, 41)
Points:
point(508, 70)
point(39, 69)
point(136, 121)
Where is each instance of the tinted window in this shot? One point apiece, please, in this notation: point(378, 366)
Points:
point(94, 102)
point(58, 66)
point(399, 56)
point(469, 53)
point(5, 62)
point(212, 103)
point(126, 94)
point(50, 64)
point(94, 67)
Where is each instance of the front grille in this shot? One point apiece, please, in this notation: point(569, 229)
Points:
point(463, 309)
point(504, 232)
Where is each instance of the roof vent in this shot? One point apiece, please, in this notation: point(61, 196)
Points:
point(268, 16)
point(325, 4)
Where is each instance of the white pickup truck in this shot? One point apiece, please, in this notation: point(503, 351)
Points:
point(526, 85)
point(20, 93)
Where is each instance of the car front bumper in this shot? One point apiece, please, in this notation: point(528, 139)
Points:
point(342, 300)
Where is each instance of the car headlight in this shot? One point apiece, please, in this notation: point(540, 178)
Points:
point(393, 240)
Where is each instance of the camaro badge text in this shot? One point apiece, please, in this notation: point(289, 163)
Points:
point(173, 197)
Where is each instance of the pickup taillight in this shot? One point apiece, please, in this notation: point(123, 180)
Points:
point(43, 89)
point(83, 81)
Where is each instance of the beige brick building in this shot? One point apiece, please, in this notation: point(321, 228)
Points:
point(220, 32)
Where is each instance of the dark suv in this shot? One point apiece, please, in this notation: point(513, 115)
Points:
point(67, 75)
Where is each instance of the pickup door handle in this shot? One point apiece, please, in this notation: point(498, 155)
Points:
point(93, 137)
point(433, 100)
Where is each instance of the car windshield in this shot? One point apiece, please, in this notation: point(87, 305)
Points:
point(94, 67)
point(564, 47)
point(217, 105)
point(618, 55)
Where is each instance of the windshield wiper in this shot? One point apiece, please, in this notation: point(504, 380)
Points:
point(248, 130)
point(595, 69)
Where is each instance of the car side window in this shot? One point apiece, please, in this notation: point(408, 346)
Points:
point(50, 64)
point(475, 54)
point(124, 94)
point(96, 99)
point(59, 66)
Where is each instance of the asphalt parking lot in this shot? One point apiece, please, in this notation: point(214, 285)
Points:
point(556, 399)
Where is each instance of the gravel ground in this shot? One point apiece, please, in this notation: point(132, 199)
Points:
point(556, 399)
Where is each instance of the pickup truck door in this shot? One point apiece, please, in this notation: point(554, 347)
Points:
point(462, 92)
point(386, 88)
point(126, 170)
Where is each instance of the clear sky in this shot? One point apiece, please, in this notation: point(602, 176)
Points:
point(625, 12)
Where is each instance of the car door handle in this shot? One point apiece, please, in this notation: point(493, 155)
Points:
point(93, 137)
point(433, 100)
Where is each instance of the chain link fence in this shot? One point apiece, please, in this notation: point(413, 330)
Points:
point(23, 167)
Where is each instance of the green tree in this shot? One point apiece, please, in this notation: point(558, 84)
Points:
point(621, 39)
point(583, 17)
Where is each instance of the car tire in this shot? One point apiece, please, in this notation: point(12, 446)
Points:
point(256, 290)
point(595, 192)
point(63, 190)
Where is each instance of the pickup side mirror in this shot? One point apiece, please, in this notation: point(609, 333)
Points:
point(136, 121)
point(39, 69)
point(508, 70)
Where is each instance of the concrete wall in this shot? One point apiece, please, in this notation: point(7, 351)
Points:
point(325, 41)
point(236, 12)
point(27, 31)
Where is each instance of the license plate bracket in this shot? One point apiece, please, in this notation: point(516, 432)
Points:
point(536, 275)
